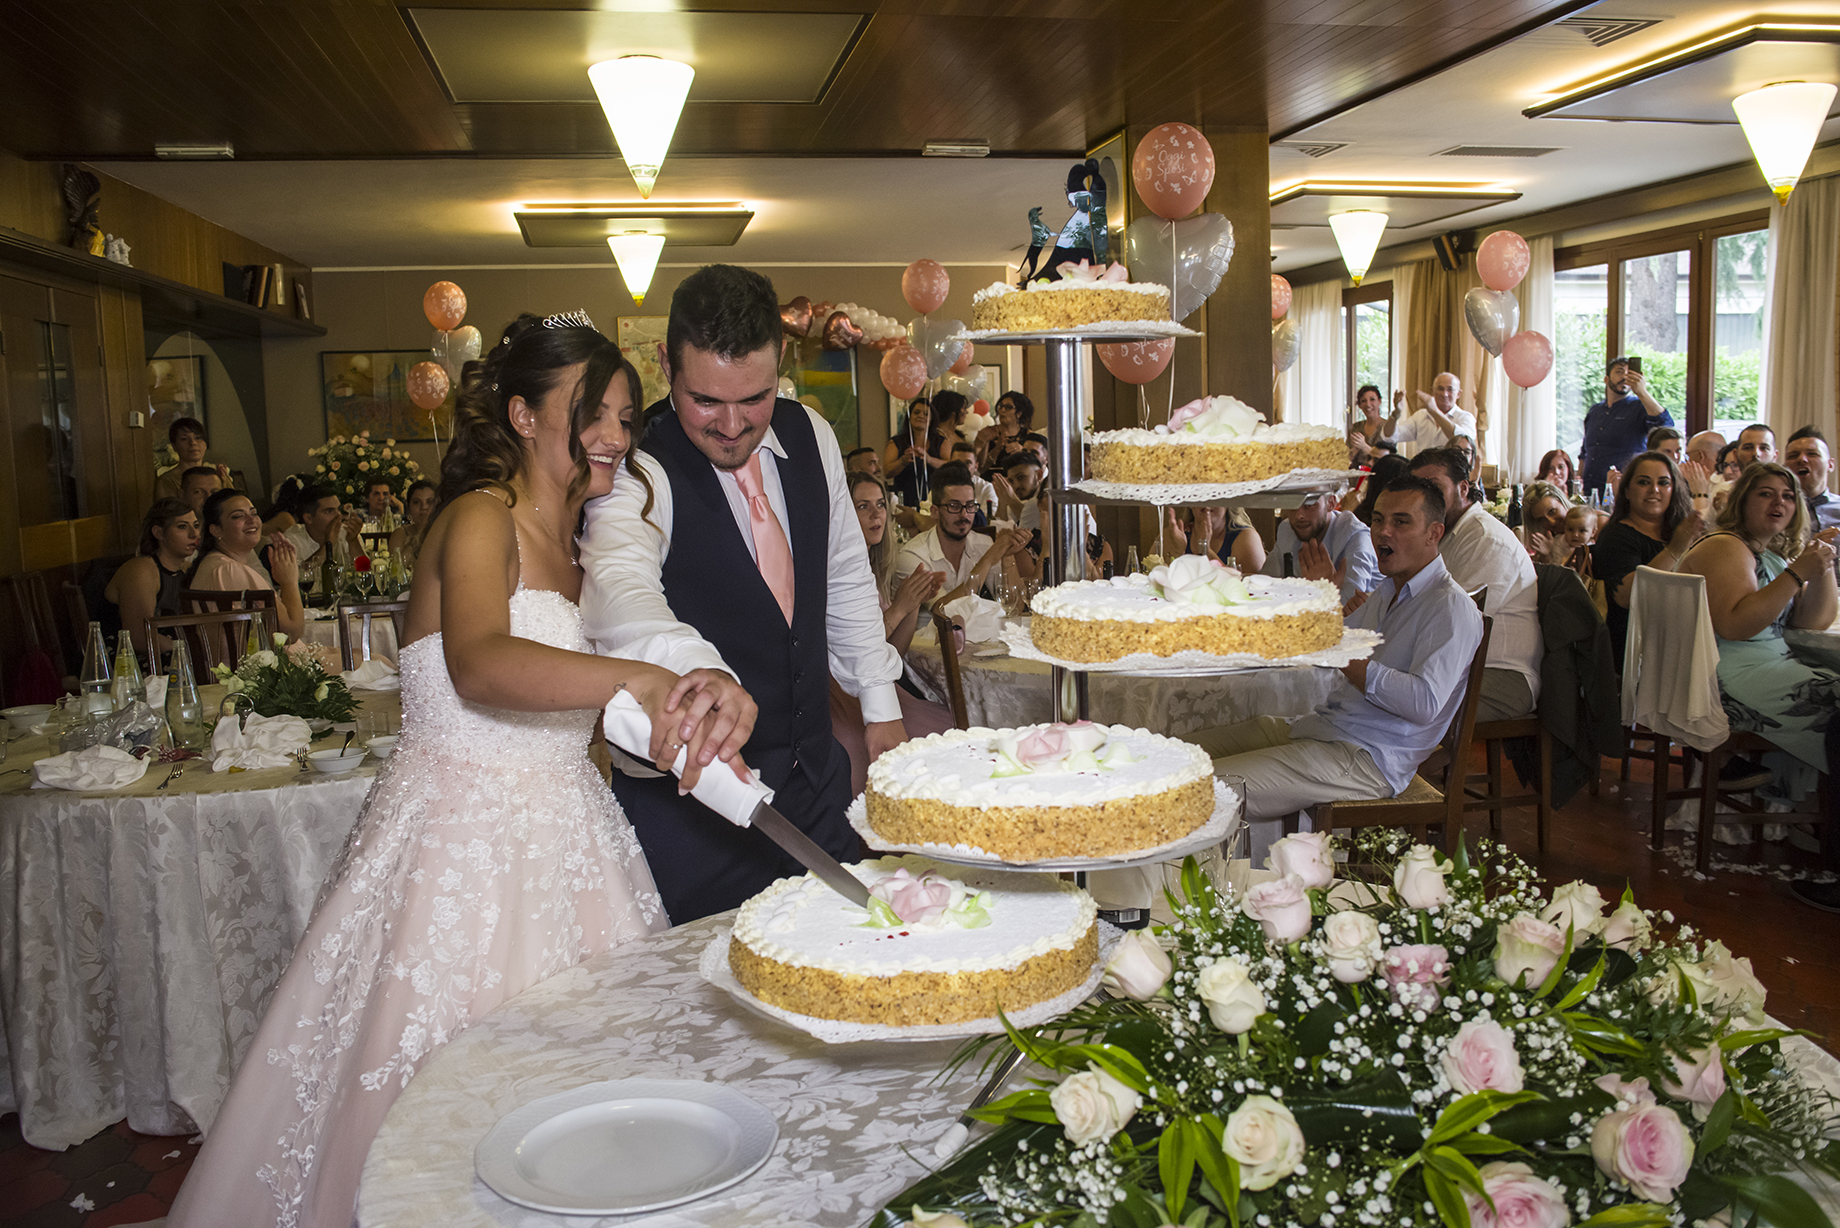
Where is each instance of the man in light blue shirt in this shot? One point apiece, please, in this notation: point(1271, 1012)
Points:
point(1386, 713)
point(1318, 541)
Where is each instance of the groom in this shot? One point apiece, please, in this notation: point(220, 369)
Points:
point(750, 561)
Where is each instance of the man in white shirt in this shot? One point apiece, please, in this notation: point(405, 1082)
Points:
point(1319, 541)
point(950, 546)
point(1436, 421)
point(986, 494)
point(1480, 550)
point(749, 560)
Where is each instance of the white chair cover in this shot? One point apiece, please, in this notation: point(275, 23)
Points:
point(1671, 666)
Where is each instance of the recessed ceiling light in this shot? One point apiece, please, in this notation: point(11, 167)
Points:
point(192, 151)
point(971, 148)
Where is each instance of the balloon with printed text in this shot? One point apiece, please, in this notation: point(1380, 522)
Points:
point(445, 305)
point(1136, 362)
point(924, 285)
point(1280, 297)
point(1527, 358)
point(1502, 260)
point(1172, 170)
point(427, 384)
point(903, 372)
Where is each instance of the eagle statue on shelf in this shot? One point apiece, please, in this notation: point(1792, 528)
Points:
point(82, 199)
point(1082, 238)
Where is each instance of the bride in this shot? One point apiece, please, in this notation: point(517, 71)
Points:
point(489, 854)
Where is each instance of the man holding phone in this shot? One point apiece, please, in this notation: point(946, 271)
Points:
point(1617, 427)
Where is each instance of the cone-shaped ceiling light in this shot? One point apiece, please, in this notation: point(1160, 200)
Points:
point(1782, 123)
point(643, 95)
point(637, 255)
point(1357, 233)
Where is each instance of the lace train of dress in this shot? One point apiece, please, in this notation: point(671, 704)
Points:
point(489, 855)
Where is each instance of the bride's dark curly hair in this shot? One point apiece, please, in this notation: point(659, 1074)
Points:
point(529, 362)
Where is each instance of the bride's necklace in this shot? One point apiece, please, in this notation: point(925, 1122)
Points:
point(574, 550)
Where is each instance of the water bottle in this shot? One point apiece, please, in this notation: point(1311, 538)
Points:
point(97, 681)
point(184, 710)
point(127, 686)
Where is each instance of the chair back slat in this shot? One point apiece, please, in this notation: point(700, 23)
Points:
point(1462, 731)
point(955, 683)
point(225, 646)
point(351, 654)
point(218, 600)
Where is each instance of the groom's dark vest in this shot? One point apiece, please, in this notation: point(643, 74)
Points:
point(714, 585)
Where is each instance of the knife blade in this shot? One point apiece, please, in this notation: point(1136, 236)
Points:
point(779, 829)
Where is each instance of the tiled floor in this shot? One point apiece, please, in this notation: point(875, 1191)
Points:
point(120, 1177)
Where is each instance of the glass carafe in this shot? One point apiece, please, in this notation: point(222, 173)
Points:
point(126, 686)
point(184, 710)
point(98, 680)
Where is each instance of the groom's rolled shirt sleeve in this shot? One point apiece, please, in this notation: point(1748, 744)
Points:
point(862, 660)
point(623, 606)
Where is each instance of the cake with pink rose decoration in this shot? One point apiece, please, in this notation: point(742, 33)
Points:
point(933, 947)
point(1041, 792)
point(1086, 294)
point(1214, 441)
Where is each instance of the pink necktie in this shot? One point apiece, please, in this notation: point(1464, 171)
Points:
point(770, 549)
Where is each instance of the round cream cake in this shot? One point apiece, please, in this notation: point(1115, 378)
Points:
point(1214, 441)
point(1054, 306)
point(1009, 941)
point(1191, 604)
point(1041, 792)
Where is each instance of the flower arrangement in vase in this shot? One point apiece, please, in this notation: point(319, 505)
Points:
point(349, 463)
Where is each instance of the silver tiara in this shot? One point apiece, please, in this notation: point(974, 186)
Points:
point(568, 319)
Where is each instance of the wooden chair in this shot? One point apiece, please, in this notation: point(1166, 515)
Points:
point(955, 683)
point(224, 645)
point(220, 600)
point(398, 612)
point(1422, 805)
point(1491, 797)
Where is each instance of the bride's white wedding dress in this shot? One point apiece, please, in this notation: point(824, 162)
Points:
point(489, 855)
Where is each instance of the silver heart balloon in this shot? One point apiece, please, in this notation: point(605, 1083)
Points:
point(940, 342)
point(1189, 256)
point(1493, 316)
point(453, 350)
point(1286, 340)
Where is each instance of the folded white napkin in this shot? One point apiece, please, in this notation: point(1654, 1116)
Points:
point(89, 769)
point(981, 618)
point(629, 728)
point(262, 742)
point(373, 675)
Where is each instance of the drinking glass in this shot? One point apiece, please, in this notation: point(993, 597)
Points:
point(1131, 566)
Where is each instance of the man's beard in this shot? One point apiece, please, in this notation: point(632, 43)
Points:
point(949, 535)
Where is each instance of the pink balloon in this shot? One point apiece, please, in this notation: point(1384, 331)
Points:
point(924, 285)
point(1280, 297)
point(1172, 170)
point(1527, 358)
point(963, 363)
point(903, 372)
point(445, 305)
point(1137, 362)
point(427, 384)
point(981, 407)
point(1502, 260)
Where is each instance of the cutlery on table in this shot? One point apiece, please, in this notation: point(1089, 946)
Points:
point(955, 1137)
point(178, 771)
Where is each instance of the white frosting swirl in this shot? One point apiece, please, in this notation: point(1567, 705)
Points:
point(1131, 599)
point(955, 768)
point(999, 289)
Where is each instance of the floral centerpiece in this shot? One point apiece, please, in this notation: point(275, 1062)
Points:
point(1447, 1048)
point(349, 463)
point(295, 679)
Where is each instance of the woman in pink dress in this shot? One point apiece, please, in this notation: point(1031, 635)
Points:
point(227, 561)
point(489, 854)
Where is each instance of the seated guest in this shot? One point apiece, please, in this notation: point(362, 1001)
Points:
point(1756, 442)
point(1667, 441)
point(1543, 510)
point(900, 614)
point(1657, 518)
point(1556, 467)
point(1384, 714)
point(1480, 550)
point(188, 440)
point(1217, 536)
point(1703, 449)
point(1616, 428)
point(966, 455)
point(1729, 464)
point(228, 563)
point(281, 518)
point(1015, 415)
point(966, 558)
point(905, 462)
point(1037, 443)
point(1764, 574)
point(1319, 541)
point(147, 585)
point(1387, 470)
point(863, 460)
point(331, 538)
point(1580, 532)
point(1467, 446)
point(418, 510)
point(199, 483)
point(1018, 483)
point(1813, 467)
point(1437, 420)
point(380, 501)
point(1371, 427)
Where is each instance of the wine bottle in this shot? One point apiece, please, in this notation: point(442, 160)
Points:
point(1516, 514)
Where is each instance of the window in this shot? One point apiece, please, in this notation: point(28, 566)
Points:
point(1367, 332)
point(1738, 295)
point(1655, 317)
point(1581, 314)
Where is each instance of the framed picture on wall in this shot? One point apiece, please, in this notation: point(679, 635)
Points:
point(175, 389)
point(639, 338)
point(826, 381)
point(367, 390)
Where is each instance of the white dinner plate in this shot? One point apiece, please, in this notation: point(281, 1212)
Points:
point(625, 1146)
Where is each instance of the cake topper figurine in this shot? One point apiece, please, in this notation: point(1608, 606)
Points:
point(1082, 238)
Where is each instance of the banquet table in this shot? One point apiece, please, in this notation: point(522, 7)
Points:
point(146, 929)
point(1817, 647)
point(849, 1115)
point(1002, 691)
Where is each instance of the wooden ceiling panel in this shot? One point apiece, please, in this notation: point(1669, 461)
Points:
point(306, 79)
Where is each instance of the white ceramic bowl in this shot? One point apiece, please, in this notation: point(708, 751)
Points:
point(383, 747)
point(27, 715)
point(336, 762)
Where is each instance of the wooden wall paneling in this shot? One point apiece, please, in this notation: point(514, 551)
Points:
point(77, 313)
point(124, 365)
point(23, 306)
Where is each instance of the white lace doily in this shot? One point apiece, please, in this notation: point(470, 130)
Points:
point(1356, 645)
point(714, 967)
point(1228, 809)
point(1102, 330)
point(1171, 494)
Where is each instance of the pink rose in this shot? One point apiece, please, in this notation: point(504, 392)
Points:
point(914, 900)
point(1529, 947)
point(1043, 745)
point(1307, 855)
point(1182, 414)
point(1414, 973)
point(1521, 1199)
point(1699, 1080)
point(1482, 1057)
point(1646, 1147)
point(1087, 271)
point(1281, 907)
point(1635, 1091)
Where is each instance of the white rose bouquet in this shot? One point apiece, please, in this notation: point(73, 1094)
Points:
point(290, 680)
point(350, 463)
point(1442, 1047)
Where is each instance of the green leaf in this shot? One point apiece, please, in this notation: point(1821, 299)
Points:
point(1778, 1200)
point(1447, 1198)
point(1483, 1145)
point(1219, 1169)
point(1629, 1215)
point(1455, 1166)
point(1030, 1105)
point(1584, 986)
point(1116, 1061)
point(1175, 1162)
point(1629, 893)
point(1718, 1122)
point(1471, 1111)
point(1558, 969)
point(1735, 1041)
point(1602, 1036)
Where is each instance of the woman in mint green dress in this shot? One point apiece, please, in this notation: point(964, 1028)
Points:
point(1754, 595)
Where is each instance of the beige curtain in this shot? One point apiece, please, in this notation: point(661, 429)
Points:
point(1802, 352)
point(1531, 421)
point(1437, 339)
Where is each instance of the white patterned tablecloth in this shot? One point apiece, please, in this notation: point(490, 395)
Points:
point(1002, 692)
point(144, 931)
point(849, 1115)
